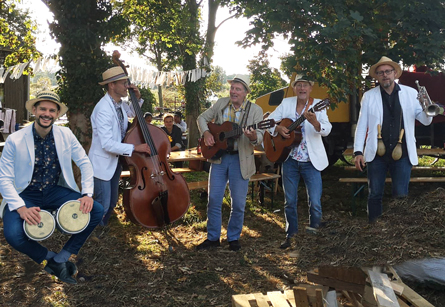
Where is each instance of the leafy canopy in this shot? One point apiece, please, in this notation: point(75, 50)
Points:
point(334, 40)
point(17, 34)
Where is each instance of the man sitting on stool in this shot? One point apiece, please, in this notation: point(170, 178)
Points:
point(36, 173)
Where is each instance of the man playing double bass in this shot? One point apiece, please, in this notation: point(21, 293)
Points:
point(109, 121)
point(235, 166)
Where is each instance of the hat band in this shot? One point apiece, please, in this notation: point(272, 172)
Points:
point(111, 79)
point(48, 97)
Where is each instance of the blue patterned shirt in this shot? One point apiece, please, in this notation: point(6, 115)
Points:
point(46, 164)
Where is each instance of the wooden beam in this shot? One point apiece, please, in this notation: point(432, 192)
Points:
point(335, 283)
point(383, 292)
point(301, 299)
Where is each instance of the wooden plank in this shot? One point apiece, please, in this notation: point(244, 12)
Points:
point(264, 176)
point(348, 274)
point(402, 303)
point(335, 283)
point(278, 299)
point(197, 185)
point(261, 300)
point(311, 291)
point(352, 299)
point(413, 179)
point(300, 295)
point(319, 297)
point(420, 151)
point(398, 288)
point(409, 294)
point(181, 170)
point(414, 168)
point(242, 300)
point(383, 292)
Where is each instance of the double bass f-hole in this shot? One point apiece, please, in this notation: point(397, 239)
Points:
point(143, 169)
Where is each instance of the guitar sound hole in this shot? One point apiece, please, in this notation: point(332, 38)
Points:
point(222, 136)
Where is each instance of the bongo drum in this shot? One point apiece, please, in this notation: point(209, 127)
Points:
point(70, 219)
point(43, 230)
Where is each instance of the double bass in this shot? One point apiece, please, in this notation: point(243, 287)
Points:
point(156, 196)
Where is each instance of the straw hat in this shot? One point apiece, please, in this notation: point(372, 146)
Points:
point(302, 78)
point(113, 74)
point(385, 61)
point(239, 80)
point(47, 96)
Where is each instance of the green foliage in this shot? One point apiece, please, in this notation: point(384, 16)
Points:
point(217, 79)
point(17, 35)
point(149, 100)
point(333, 40)
point(263, 79)
point(82, 27)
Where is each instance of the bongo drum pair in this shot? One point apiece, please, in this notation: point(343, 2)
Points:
point(68, 219)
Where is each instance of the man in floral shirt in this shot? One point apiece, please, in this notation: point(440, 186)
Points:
point(306, 160)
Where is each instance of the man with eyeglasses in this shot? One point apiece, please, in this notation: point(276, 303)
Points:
point(109, 121)
point(394, 108)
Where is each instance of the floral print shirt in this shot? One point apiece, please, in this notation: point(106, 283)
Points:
point(46, 164)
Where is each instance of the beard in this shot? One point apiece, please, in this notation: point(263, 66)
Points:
point(38, 121)
point(387, 83)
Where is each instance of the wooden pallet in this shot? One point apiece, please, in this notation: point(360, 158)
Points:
point(301, 296)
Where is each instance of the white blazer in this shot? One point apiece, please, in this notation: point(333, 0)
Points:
point(371, 115)
point(316, 150)
point(106, 144)
point(17, 164)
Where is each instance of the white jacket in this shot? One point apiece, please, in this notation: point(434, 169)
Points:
point(106, 144)
point(316, 150)
point(371, 115)
point(17, 164)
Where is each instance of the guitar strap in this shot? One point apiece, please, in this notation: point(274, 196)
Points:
point(311, 101)
point(245, 116)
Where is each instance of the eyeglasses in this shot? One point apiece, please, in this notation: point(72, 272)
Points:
point(386, 72)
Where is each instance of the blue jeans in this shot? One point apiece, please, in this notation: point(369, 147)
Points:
point(106, 192)
point(50, 199)
point(400, 172)
point(292, 171)
point(229, 170)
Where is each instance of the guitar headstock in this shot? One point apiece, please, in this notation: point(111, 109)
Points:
point(323, 104)
point(266, 124)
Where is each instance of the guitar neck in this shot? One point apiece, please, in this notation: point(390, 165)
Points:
point(239, 130)
point(298, 122)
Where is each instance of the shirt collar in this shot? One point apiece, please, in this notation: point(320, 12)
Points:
point(117, 104)
point(395, 89)
point(37, 136)
point(242, 107)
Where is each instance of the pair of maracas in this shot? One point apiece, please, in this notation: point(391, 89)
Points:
point(397, 152)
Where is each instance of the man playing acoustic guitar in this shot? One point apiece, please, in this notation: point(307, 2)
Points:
point(235, 166)
point(305, 160)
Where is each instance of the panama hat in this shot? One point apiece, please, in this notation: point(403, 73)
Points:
point(113, 74)
point(385, 61)
point(239, 80)
point(302, 78)
point(47, 96)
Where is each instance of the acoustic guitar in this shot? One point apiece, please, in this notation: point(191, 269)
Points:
point(225, 135)
point(278, 148)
